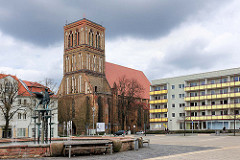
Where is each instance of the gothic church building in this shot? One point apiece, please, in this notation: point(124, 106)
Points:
point(85, 85)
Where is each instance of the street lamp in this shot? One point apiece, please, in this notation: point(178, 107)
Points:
point(93, 109)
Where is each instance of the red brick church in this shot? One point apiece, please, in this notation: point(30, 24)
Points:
point(89, 82)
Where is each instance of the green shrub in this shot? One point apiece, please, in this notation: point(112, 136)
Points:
point(117, 145)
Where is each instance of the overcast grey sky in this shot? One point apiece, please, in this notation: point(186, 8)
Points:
point(163, 38)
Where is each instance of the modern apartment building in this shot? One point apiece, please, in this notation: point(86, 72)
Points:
point(202, 101)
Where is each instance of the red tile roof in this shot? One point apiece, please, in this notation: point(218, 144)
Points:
point(114, 72)
point(26, 87)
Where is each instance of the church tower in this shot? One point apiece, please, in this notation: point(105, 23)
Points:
point(84, 90)
point(84, 57)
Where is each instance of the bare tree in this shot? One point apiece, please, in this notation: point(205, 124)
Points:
point(49, 83)
point(9, 91)
point(128, 92)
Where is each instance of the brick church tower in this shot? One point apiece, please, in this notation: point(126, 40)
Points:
point(84, 84)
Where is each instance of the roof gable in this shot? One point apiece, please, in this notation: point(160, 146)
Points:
point(114, 72)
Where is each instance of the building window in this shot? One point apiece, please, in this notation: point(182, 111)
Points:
point(25, 102)
point(94, 63)
point(19, 101)
point(157, 115)
point(193, 94)
point(181, 85)
point(193, 104)
point(202, 82)
point(181, 95)
point(182, 105)
point(25, 116)
point(67, 86)
point(173, 114)
point(165, 115)
point(181, 114)
point(80, 84)
point(223, 91)
point(173, 86)
point(203, 103)
point(203, 93)
point(19, 116)
point(193, 114)
point(192, 84)
point(213, 112)
point(173, 96)
point(21, 132)
point(212, 92)
point(203, 113)
point(173, 105)
point(165, 105)
point(212, 81)
point(80, 61)
point(165, 97)
point(165, 87)
point(213, 103)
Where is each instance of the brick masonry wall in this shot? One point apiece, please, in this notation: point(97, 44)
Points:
point(24, 151)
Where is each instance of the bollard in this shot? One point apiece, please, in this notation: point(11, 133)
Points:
point(69, 153)
point(136, 144)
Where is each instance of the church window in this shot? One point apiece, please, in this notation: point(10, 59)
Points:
point(100, 64)
point(89, 62)
point(73, 85)
point(94, 63)
point(66, 64)
point(69, 40)
point(80, 61)
point(73, 57)
point(92, 38)
point(76, 38)
point(80, 84)
point(67, 86)
point(98, 41)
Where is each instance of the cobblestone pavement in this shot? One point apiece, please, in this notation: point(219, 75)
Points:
point(204, 147)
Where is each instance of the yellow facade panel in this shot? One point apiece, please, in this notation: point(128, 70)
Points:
point(220, 117)
point(158, 119)
point(158, 101)
point(159, 92)
point(158, 110)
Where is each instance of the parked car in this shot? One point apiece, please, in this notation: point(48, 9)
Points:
point(119, 133)
point(140, 132)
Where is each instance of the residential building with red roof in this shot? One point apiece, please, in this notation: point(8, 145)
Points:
point(21, 124)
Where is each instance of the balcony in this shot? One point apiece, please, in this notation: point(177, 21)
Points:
point(212, 107)
point(214, 96)
point(158, 110)
point(213, 117)
point(212, 86)
point(158, 101)
point(158, 119)
point(158, 92)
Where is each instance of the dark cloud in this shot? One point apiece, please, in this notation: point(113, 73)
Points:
point(185, 61)
point(41, 21)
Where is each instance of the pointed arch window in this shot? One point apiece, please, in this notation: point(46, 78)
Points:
point(99, 41)
point(69, 40)
point(76, 38)
point(94, 63)
point(67, 86)
point(80, 84)
point(100, 64)
point(80, 61)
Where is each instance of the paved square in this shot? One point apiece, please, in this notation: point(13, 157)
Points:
point(174, 147)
